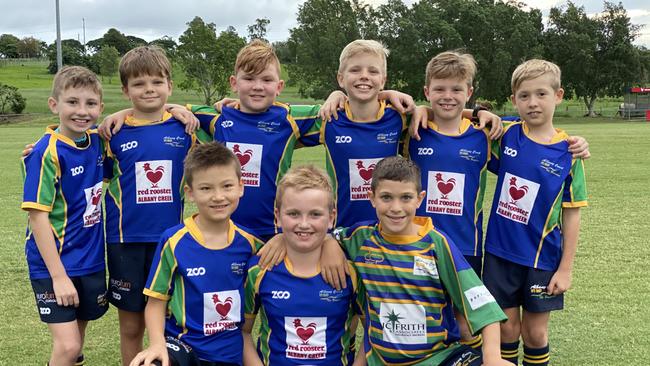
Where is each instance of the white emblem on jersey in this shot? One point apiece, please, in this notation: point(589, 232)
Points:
point(425, 267)
point(153, 181)
point(517, 198)
point(250, 159)
point(306, 337)
point(478, 296)
point(361, 177)
point(93, 212)
point(445, 193)
point(403, 323)
point(221, 311)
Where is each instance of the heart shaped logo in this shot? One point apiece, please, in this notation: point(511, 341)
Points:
point(96, 197)
point(304, 333)
point(517, 193)
point(154, 177)
point(223, 308)
point(445, 188)
point(243, 158)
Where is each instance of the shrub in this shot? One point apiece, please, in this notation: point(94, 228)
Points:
point(11, 100)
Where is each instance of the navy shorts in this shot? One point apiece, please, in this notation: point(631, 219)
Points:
point(514, 285)
point(465, 356)
point(128, 269)
point(180, 354)
point(91, 290)
point(476, 262)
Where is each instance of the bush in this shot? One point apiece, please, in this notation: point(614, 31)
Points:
point(11, 100)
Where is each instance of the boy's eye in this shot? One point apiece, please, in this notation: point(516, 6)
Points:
point(385, 197)
point(407, 198)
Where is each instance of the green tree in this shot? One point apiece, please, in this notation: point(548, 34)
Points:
point(116, 39)
point(595, 54)
point(207, 60)
point(258, 29)
point(11, 100)
point(286, 53)
point(29, 47)
point(167, 44)
point(8, 45)
point(107, 61)
point(134, 42)
point(73, 54)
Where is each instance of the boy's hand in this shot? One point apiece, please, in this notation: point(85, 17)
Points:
point(333, 264)
point(560, 282)
point(184, 116)
point(154, 352)
point(226, 102)
point(28, 150)
point(65, 292)
point(496, 126)
point(113, 123)
point(335, 102)
point(273, 252)
point(401, 101)
point(419, 119)
point(579, 147)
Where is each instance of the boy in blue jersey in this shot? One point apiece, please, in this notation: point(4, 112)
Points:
point(145, 191)
point(196, 283)
point(62, 193)
point(533, 229)
point(303, 320)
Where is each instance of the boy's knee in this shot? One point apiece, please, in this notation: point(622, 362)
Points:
point(510, 330)
point(535, 337)
point(68, 348)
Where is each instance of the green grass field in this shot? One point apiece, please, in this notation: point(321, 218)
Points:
point(606, 315)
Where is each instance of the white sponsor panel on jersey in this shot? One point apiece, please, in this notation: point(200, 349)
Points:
point(517, 198)
point(221, 311)
point(425, 267)
point(93, 212)
point(403, 323)
point(478, 296)
point(306, 337)
point(361, 177)
point(250, 159)
point(153, 181)
point(445, 193)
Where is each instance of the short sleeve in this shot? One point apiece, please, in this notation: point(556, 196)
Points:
point(308, 122)
point(208, 117)
point(251, 289)
point(161, 274)
point(41, 173)
point(575, 188)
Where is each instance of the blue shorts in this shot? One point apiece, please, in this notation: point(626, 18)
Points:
point(514, 285)
point(476, 262)
point(180, 354)
point(128, 269)
point(91, 290)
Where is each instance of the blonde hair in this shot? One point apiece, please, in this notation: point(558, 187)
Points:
point(451, 64)
point(305, 177)
point(75, 77)
point(533, 69)
point(363, 46)
point(144, 60)
point(255, 57)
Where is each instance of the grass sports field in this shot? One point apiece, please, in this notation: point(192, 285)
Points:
point(606, 316)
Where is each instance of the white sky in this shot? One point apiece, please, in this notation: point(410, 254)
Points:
point(151, 19)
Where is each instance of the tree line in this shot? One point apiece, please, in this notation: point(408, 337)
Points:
point(596, 53)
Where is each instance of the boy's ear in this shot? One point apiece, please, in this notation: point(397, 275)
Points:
point(241, 187)
point(559, 95)
point(188, 192)
point(171, 86)
point(280, 88)
point(276, 215)
point(233, 83)
point(339, 78)
point(330, 226)
point(125, 91)
point(421, 196)
point(371, 198)
point(470, 91)
point(426, 92)
point(513, 101)
point(52, 103)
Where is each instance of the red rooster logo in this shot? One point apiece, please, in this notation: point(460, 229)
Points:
point(304, 332)
point(95, 196)
point(243, 157)
point(365, 173)
point(515, 192)
point(445, 187)
point(222, 307)
point(154, 175)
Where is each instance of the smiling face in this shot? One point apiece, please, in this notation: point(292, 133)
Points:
point(305, 216)
point(447, 98)
point(257, 91)
point(78, 109)
point(536, 99)
point(362, 77)
point(216, 192)
point(148, 93)
point(396, 203)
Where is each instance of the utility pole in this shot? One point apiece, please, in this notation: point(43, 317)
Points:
point(59, 53)
point(83, 20)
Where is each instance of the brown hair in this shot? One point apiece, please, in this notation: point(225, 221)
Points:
point(144, 60)
point(535, 68)
point(305, 177)
point(255, 57)
point(207, 155)
point(451, 64)
point(75, 77)
point(397, 169)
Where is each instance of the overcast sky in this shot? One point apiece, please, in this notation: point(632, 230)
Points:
point(151, 19)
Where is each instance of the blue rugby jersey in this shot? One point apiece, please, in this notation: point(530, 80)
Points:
point(304, 321)
point(352, 149)
point(145, 171)
point(454, 174)
point(535, 181)
point(411, 283)
point(264, 144)
point(66, 181)
point(204, 288)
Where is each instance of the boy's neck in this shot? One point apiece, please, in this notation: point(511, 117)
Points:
point(305, 264)
point(364, 111)
point(542, 133)
point(449, 126)
point(149, 116)
point(215, 233)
